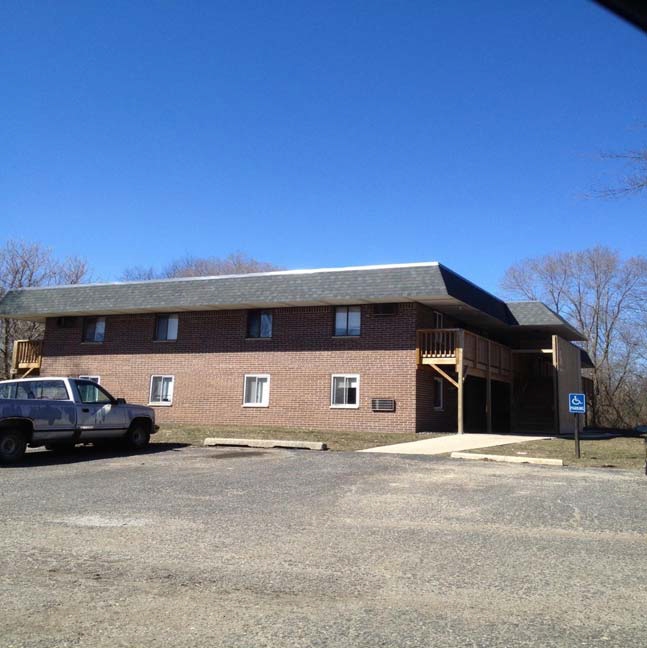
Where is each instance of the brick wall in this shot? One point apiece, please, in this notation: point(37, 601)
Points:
point(211, 356)
point(429, 419)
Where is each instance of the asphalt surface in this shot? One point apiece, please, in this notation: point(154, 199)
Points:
point(243, 548)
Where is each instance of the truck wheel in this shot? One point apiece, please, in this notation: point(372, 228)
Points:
point(137, 437)
point(12, 446)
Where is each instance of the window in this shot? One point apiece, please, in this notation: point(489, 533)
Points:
point(166, 328)
point(94, 329)
point(259, 324)
point(439, 386)
point(347, 320)
point(41, 390)
point(439, 320)
point(7, 390)
point(345, 391)
point(161, 390)
point(91, 394)
point(94, 379)
point(257, 390)
point(385, 309)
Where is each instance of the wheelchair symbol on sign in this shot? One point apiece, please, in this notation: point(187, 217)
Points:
point(577, 403)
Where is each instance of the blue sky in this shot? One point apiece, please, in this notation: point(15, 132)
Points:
point(318, 134)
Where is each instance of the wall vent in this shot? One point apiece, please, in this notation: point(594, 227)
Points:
point(66, 322)
point(383, 405)
point(385, 309)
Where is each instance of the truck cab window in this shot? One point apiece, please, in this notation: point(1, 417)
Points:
point(6, 390)
point(91, 393)
point(41, 390)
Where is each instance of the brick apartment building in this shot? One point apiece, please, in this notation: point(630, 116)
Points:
point(412, 347)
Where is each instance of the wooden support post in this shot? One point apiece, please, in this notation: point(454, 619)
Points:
point(512, 420)
point(14, 358)
point(556, 421)
point(488, 390)
point(461, 384)
point(461, 390)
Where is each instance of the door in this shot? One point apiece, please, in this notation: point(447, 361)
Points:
point(98, 416)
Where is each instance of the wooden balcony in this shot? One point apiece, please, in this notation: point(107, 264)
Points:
point(478, 356)
point(468, 354)
point(26, 357)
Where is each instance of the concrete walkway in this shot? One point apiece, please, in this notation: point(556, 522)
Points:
point(453, 443)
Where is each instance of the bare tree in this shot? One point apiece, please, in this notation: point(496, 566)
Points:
point(192, 266)
point(140, 273)
point(605, 297)
point(30, 265)
point(633, 179)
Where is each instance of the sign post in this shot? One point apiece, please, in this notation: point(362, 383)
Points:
point(576, 406)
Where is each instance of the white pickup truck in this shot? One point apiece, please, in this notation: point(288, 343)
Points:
point(59, 413)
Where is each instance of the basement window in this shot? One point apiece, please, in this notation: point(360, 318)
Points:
point(94, 329)
point(344, 391)
point(161, 390)
point(94, 379)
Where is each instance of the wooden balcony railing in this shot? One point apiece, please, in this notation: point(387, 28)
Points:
point(478, 354)
point(26, 356)
point(438, 344)
point(481, 353)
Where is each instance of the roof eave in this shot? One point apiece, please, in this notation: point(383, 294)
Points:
point(180, 308)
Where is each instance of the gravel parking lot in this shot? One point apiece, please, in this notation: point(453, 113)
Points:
point(243, 548)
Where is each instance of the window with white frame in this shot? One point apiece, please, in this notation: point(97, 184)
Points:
point(94, 379)
point(344, 390)
point(348, 320)
point(94, 329)
point(439, 320)
point(256, 391)
point(439, 395)
point(161, 390)
point(166, 327)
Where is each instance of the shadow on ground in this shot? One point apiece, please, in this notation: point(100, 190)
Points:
point(587, 434)
point(595, 434)
point(40, 457)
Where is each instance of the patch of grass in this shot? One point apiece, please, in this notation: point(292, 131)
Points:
point(608, 453)
point(348, 441)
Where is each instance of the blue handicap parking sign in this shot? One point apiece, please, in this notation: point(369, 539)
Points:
point(577, 403)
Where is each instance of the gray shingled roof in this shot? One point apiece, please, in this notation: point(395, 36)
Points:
point(430, 283)
point(267, 289)
point(537, 314)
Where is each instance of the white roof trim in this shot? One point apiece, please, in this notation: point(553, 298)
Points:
point(273, 273)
